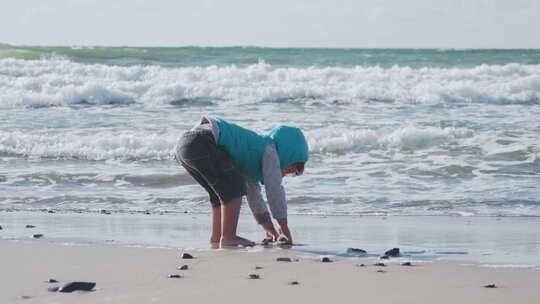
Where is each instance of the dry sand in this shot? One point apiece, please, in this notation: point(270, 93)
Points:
point(139, 275)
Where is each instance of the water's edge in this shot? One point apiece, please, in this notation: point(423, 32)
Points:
point(488, 241)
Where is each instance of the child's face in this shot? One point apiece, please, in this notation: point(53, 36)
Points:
point(290, 170)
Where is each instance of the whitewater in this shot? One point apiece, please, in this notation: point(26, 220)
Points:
point(404, 132)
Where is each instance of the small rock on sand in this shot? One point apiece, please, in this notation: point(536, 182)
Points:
point(294, 283)
point(379, 264)
point(266, 241)
point(103, 211)
point(258, 267)
point(186, 255)
point(381, 271)
point(284, 260)
point(0, 227)
point(52, 281)
point(394, 252)
point(326, 260)
point(174, 276)
point(490, 286)
point(406, 264)
point(254, 276)
point(183, 267)
point(50, 211)
point(37, 235)
point(25, 297)
point(72, 286)
point(356, 251)
point(384, 257)
point(360, 265)
point(30, 226)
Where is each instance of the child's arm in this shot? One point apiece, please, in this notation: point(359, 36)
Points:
point(275, 193)
point(259, 209)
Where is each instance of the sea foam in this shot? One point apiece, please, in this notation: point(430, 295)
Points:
point(59, 82)
point(145, 145)
point(339, 140)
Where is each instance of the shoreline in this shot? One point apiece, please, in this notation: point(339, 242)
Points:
point(140, 275)
point(244, 212)
point(490, 241)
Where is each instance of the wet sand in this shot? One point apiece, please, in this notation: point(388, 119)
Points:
point(479, 240)
point(140, 275)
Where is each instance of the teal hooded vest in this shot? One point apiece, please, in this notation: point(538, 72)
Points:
point(247, 147)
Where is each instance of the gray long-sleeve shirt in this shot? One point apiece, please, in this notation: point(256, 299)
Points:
point(271, 172)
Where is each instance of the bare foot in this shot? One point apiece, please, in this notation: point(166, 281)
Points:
point(235, 241)
point(214, 242)
point(244, 239)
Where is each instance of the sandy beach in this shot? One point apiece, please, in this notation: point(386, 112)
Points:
point(140, 275)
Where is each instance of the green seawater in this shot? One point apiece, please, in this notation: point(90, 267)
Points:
point(278, 57)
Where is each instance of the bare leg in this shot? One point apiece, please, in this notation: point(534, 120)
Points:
point(230, 212)
point(216, 227)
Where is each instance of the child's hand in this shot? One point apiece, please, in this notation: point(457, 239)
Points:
point(271, 233)
point(270, 238)
point(284, 229)
point(283, 241)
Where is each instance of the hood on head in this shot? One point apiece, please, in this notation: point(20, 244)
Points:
point(291, 145)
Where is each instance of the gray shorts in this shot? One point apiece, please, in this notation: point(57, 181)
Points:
point(211, 166)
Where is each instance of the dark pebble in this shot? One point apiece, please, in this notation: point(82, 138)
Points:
point(52, 281)
point(254, 276)
point(490, 286)
point(406, 264)
point(284, 260)
point(266, 241)
point(294, 283)
point(30, 226)
point(394, 252)
point(53, 289)
point(37, 236)
point(384, 257)
point(379, 264)
point(258, 267)
point(103, 211)
point(356, 251)
point(381, 271)
point(0, 227)
point(147, 212)
point(50, 211)
point(360, 265)
point(174, 276)
point(72, 286)
point(25, 297)
point(326, 260)
point(186, 256)
point(184, 267)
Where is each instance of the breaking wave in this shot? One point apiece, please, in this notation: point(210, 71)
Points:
point(147, 146)
point(59, 82)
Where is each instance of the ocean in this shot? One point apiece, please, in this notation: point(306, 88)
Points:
point(431, 132)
